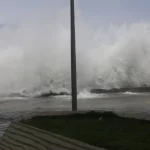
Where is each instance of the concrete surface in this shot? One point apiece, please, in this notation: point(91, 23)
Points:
point(23, 137)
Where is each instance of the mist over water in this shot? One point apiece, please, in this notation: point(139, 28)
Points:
point(35, 54)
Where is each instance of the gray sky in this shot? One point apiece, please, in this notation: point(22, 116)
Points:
point(116, 11)
point(96, 12)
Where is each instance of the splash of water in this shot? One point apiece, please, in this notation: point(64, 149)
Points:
point(35, 55)
point(85, 94)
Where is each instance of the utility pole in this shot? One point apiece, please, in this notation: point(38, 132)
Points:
point(73, 58)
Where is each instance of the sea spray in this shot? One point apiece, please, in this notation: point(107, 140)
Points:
point(35, 54)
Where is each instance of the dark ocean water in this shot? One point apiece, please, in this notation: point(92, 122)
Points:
point(127, 104)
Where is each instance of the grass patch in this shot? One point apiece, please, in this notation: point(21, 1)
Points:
point(111, 132)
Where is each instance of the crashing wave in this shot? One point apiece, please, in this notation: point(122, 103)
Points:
point(35, 55)
point(46, 92)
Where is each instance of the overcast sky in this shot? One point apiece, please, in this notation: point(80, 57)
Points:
point(94, 11)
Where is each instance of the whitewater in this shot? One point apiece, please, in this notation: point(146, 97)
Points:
point(35, 55)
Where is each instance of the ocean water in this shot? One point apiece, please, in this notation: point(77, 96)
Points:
point(126, 104)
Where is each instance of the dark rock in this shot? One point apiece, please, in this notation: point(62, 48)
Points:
point(48, 94)
point(122, 90)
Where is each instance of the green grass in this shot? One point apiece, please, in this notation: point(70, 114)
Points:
point(111, 132)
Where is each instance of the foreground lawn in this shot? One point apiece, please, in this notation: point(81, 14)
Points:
point(105, 130)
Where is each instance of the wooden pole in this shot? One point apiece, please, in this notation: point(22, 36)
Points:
point(73, 58)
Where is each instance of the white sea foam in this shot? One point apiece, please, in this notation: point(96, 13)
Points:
point(84, 94)
point(130, 93)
